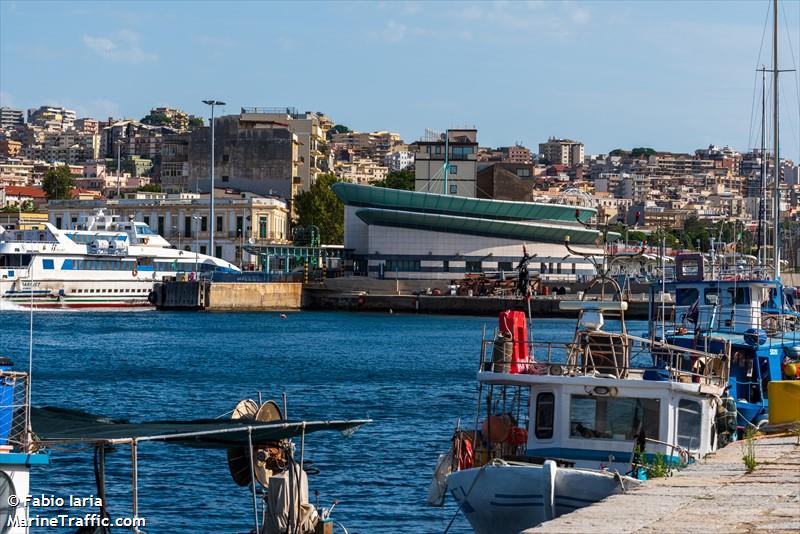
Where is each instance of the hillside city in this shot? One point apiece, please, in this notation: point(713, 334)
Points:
point(157, 169)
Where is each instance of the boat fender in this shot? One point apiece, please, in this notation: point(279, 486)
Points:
point(549, 489)
point(361, 300)
point(135, 271)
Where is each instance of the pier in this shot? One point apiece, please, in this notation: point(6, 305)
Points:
point(714, 495)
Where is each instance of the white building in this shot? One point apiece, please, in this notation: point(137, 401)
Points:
point(397, 161)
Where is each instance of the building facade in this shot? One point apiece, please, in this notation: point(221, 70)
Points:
point(184, 220)
point(562, 151)
point(10, 117)
point(460, 177)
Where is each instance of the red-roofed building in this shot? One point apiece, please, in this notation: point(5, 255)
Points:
point(84, 194)
point(14, 195)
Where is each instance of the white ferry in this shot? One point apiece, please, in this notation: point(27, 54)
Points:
point(101, 263)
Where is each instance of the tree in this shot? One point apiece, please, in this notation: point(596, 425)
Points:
point(57, 183)
point(398, 180)
point(157, 119)
point(196, 122)
point(642, 152)
point(151, 188)
point(339, 128)
point(618, 152)
point(319, 206)
point(25, 206)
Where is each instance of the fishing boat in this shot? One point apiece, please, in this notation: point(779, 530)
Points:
point(262, 455)
point(100, 263)
point(18, 451)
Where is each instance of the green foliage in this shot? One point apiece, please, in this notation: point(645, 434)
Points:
point(642, 152)
point(658, 467)
point(398, 180)
point(618, 152)
point(196, 122)
point(319, 206)
point(694, 231)
point(749, 449)
point(26, 206)
point(57, 183)
point(339, 128)
point(156, 119)
point(151, 188)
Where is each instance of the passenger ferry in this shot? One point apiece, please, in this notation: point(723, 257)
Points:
point(100, 263)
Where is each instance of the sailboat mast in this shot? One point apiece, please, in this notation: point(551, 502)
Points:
point(777, 171)
point(762, 208)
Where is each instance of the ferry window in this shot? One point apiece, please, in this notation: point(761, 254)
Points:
point(710, 295)
point(545, 409)
point(689, 421)
point(613, 418)
point(505, 266)
point(686, 296)
point(47, 264)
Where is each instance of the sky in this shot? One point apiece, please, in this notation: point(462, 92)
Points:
point(672, 75)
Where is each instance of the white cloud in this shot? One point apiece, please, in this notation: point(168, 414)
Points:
point(122, 47)
point(393, 32)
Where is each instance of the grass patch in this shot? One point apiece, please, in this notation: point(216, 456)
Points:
point(749, 449)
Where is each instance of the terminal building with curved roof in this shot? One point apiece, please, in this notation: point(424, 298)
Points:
point(411, 234)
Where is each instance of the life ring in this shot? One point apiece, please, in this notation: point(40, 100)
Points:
point(135, 271)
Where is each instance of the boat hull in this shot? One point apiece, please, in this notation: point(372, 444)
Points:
point(506, 499)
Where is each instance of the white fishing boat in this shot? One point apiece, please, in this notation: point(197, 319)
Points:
point(563, 425)
point(99, 263)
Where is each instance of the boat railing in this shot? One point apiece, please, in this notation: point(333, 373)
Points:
point(626, 355)
point(15, 435)
point(717, 318)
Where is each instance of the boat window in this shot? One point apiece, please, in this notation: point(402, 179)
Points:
point(545, 404)
point(710, 296)
point(48, 264)
point(686, 296)
point(689, 421)
point(741, 294)
point(614, 418)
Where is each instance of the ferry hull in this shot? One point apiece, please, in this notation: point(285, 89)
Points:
point(506, 499)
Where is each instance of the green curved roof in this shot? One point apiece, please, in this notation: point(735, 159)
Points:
point(523, 231)
point(397, 199)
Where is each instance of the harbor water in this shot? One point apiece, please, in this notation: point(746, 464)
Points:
point(413, 375)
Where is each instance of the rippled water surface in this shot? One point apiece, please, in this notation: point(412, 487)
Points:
point(412, 374)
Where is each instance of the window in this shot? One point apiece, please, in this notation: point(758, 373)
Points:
point(545, 411)
point(445, 266)
point(226, 178)
point(219, 224)
point(689, 421)
point(217, 251)
point(453, 169)
point(203, 249)
point(474, 267)
point(146, 220)
point(523, 172)
point(710, 295)
point(262, 227)
point(225, 159)
point(58, 222)
point(438, 149)
point(204, 224)
point(453, 189)
point(48, 264)
point(686, 296)
point(742, 295)
point(613, 418)
point(160, 225)
point(505, 266)
point(461, 152)
point(402, 265)
point(187, 226)
point(239, 226)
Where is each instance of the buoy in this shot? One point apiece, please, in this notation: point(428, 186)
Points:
point(391, 311)
point(790, 370)
point(283, 316)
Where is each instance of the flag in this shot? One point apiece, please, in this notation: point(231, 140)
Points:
point(693, 313)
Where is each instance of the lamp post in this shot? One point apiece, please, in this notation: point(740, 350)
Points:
point(119, 151)
point(212, 103)
point(196, 218)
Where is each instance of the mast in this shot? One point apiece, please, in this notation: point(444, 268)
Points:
point(777, 172)
point(762, 208)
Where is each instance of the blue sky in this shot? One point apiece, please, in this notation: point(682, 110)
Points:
point(673, 75)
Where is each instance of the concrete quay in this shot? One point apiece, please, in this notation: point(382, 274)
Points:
point(715, 495)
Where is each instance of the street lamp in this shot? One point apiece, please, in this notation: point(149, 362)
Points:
point(119, 143)
point(212, 103)
point(196, 218)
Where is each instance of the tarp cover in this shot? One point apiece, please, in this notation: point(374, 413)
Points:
point(52, 425)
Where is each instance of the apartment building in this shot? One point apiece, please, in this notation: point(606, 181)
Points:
point(10, 117)
point(184, 219)
point(399, 160)
point(310, 133)
point(9, 148)
point(562, 151)
point(361, 171)
point(53, 118)
point(16, 172)
point(516, 154)
point(373, 145)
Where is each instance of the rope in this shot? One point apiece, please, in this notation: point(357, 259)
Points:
point(474, 481)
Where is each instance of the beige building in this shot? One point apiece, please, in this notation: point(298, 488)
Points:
point(183, 219)
point(373, 145)
point(310, 130)
point(562, 151)
point(16, 172)
point(361, 171)
point(462, 168)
